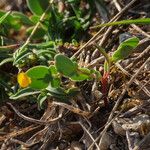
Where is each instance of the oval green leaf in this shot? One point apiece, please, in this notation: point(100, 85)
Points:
point(40, 77)
point(125, 49)
point(65, 66)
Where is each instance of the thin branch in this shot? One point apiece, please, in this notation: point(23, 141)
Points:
point(116, 17)
point(34, 29)
point(73, 109)
point(32, 119)
point(120, 98)
point(94, 142)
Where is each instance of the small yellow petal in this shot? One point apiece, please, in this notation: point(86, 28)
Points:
point(23, 80)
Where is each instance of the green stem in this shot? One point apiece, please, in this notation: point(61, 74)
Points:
point(33, 31)
point(124, 22)
point(102, 51)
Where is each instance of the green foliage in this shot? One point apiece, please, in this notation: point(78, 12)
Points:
point(4, 17)
point(4, 61)
point(22, 18)
point(48, 80)
point(23, 93)
point(37, 6)
point(65, 66)
point(81, 75)
point(38, 34)
point(52, 74)
point(41, 98)
point(125, 49)
point(40, 77)
point(125, 22)
point(14, 20)
point(56, 82)
point(62, 94)
point(35, 53)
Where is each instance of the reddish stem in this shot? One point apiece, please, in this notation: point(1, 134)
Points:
point(104, 82)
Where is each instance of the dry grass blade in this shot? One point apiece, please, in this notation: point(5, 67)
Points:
point(145, 53)
point(19, 132)
point(127, 86)
point(101, 30)
point(120, 98)
point(143, 142)
point(73, 109)
point(94, 142)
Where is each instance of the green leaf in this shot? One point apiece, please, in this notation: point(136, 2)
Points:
point(44, 45)
point(24, 92)
point(61, 94)
point(41, 98)
point(20, 56)
point(9, 21)
point(58, 93)
point(103, 52)
point(97, 73)
point(35, 19)
point(23, 18)
point(37, 7)
point(125, 49)
point(124, 22)
point(53, 70)
point(65, 66)
point(38, 34)
point(106, 67)
point(55, 82)
point(4, 17)
point(40, 77)
point(79, 77)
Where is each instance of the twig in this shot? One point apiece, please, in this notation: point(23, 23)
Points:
point(117, 5)
point(32, 119)
point(129, 140)
point(144, 141)
point(20, 142)
point(73, 109)
point(104, 131)
point(94, 142)
point(143, 88)
point(146, 52)
point(133, 25)
point(120, 98)
point(127, 86)
point(19, 132)
point(140, 30)
point(34, 30)
point(95, 62)
point(102, 29)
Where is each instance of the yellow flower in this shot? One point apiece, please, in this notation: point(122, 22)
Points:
point(23, 80)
